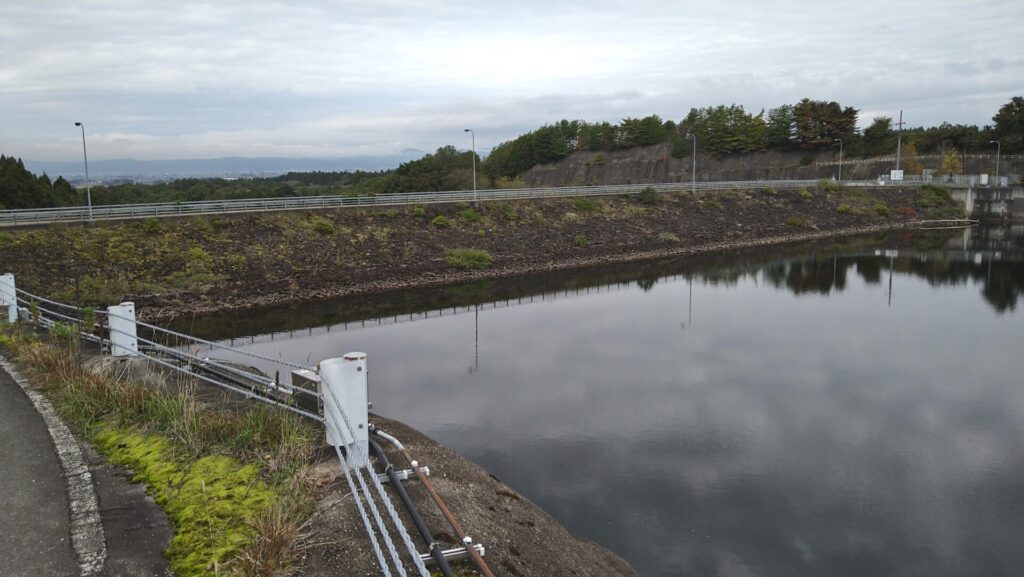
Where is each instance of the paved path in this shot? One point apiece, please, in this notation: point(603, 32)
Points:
point(35, 539)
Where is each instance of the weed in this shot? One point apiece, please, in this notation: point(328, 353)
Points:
point(844, 209)
point(441, 221)
point(667, 236)
point(584, 204)
point(881, 210)
point(648, 196)
point(908, 212)
point(469, 215)
point(769, 190)
point(468, 258)
point(152, 227)
point(796, 220)
point(418, 211)
point(390, 213)
point(323, 226)
point(829, 185)
point(581, 240)
point(806, 194)
point(62, 331)
point(711, 203)
point(219, 223)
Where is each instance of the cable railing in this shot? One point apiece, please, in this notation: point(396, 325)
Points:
point(171, 350)
point(211, 207)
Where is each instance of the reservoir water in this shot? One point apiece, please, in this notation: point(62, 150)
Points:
point(850, 409)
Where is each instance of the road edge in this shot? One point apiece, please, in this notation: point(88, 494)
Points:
point(85, 524)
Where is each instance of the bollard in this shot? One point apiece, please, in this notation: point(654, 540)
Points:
point(344, 388)
point(121, 318)
point(9, 297)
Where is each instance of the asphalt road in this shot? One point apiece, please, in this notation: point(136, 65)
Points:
point(35, 539)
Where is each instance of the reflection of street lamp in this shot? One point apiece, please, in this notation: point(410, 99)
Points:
point(693, 171)
point(88, 191)
point(476, 200)
point(840, 141)
point(999, 150)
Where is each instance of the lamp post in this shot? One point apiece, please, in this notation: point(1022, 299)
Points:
point(476, 199)
point(999, 150)
point(693, 171)
point(88, 191)
point(840, 141)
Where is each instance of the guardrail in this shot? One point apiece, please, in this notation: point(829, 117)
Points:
point(175, 209)
point(341, 391)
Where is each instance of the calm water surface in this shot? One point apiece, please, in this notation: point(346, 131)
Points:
point(825, 412)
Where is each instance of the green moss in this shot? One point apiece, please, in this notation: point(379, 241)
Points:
point(211, 502)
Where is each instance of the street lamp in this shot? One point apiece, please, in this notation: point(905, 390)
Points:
point(693, 171)
point(999, 150)
point(840, 141)
point(476, 199)
point(88, 191)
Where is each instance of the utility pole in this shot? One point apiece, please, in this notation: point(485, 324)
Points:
point(85, 155)
point(899, 140)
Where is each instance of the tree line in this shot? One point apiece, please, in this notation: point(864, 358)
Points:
point(808, 125)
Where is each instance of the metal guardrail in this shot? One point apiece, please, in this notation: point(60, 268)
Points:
point(175, 209)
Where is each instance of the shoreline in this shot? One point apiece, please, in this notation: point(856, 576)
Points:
point(447, 278)
point(437, 280)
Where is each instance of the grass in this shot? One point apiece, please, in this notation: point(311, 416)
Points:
point(441, 221)
point(323, 226)
point(469, 215)
point(880, 209)
point(229, 480)
point(711, 203)
point(584, 204)
point(798, 220)
point(844, 209)
point(806, 194)
point(468, 258)
point(668, 237)
point(648, 196)
point(581, 240)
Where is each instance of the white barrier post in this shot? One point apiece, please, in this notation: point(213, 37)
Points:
point(9, 297)
point(344, 384)
point(121, 318)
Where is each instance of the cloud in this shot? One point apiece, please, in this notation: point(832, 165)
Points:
point(205, 78)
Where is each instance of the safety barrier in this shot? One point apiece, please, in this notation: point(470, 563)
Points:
point(175, 209)
point(337, 385)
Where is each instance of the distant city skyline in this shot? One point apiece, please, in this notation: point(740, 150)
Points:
point(398, 78)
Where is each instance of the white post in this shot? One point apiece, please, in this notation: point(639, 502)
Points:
point(121, 319)
point(9, 297)
point(344, 383)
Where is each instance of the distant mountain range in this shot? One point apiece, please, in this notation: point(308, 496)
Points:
point(232, 166)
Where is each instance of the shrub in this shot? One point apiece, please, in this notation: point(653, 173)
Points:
point(468, 258)
point(584, 204)
point(418, 211)
point(908, 212)
point(648, 196)
point(469, 215)
point(441, 221)
point(667, 236)
point(323, 226)
point(581, 240)
point(769, 190)
point(806, 194)
point(844, 209)
point(798, 221)
point(713, 204)
point(881, 210)
point(151, 227)
point(219, 223)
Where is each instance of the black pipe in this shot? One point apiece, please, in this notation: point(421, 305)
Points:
point(435, 549)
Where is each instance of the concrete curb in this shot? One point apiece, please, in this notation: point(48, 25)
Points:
point(87, 536)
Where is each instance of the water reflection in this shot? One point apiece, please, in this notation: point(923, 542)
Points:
point(797, 425)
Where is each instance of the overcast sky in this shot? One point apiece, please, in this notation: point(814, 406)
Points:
point(180, 79)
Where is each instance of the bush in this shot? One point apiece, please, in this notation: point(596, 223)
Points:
point(829, 185)
point(806, 194)
point(468, 215)
point(769, 190)
point(844, 209)
point(798, 221)
point(441, 221)
point(908, 212)
point(881, 210)
point(648, 196)
point(418, 211)
point(581, 240)
point(323, 226)
point(714, 204)
point(468, 258)
point(584, 204)
point(151, 227)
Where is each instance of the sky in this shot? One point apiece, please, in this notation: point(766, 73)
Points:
point(181, 79)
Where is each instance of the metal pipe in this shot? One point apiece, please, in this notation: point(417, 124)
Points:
point(466, 540)
point(435, 550)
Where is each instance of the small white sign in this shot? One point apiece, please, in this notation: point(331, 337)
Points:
point(984, 179)
point(895, 175)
